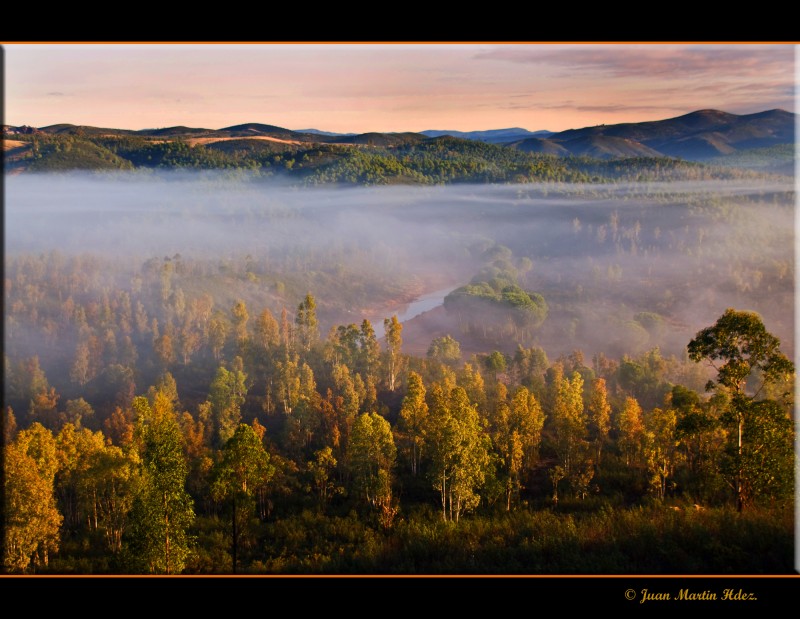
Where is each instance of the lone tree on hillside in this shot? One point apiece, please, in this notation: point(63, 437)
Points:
point(747, 359)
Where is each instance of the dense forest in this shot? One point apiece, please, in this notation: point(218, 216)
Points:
point(422, 161)
point(215, 380)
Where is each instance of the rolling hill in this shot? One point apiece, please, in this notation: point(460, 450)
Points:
point(493, 136)
point(762, 141)
point(696, 136)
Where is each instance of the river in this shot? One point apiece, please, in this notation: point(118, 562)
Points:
point(422, 304)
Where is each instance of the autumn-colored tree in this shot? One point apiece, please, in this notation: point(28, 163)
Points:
point(413, 420)
point(660, 447)
point(372, 456)
point(266, 333)
point(32, 522)
point(459, 450)
point(112, 479)
point(9, 425)
point(119, 427)
point(369, 351)
point(239, 318)
point(631, 429)
point(164, 348)
point(472, 381)
point(516, 430)
point(74, 449)
point(217, 334)
point(507, 443)
point(569, 419)
point(394, 342)
point(79, 372)
point(599, 413)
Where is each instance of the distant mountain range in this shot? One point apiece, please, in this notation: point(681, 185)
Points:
point(493, 136)
point(763, 141)
point(697, 136)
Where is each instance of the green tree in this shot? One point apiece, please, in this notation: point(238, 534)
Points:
point(496, 363)
point(307, 323)
point(321, 469)
point(77, 412)
point(162, 512)
point(243, 467)
point(747, 358)
point(227, 394)
point(445, 350)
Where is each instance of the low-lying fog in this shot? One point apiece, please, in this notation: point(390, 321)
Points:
point(601, 255)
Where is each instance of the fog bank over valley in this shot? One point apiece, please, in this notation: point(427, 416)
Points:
point(621, 268)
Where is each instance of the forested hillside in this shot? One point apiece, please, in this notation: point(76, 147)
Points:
point(206, 374)
point(370, 161)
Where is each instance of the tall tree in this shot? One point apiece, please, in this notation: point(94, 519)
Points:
point(239, 318)
point(394, 342)
point(741, 350)
point(660, 447)
point(111, 481)
point(32, 521)
point(162, 511)
point(243, 467)
point(227, 394)
point(266, 333)
point(370, 351)
point(528, 418)
point(413, 420)
point(321, 470)
point(569, 419)
point(307, 323)
point(516, 429)
point(599, 412)
point(372, 456)
point(631, 429)
point(459, 450)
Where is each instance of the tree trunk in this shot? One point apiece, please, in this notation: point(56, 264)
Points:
point(739, 497)
point(234, 535)
point(166, 532)
point(444, 498)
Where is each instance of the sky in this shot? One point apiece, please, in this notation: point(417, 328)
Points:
point(389, 87)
